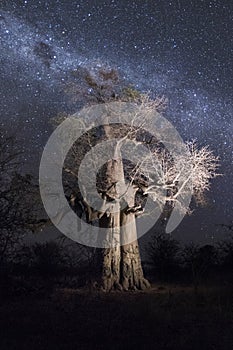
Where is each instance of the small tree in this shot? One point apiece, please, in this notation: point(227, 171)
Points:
point(199, 261)
point(19, 199)
point(48, 258)
point(226, 250)
point(163, 255)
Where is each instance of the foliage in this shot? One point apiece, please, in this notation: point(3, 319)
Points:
point(163, 256)
point(18, 199)
point(199, 260)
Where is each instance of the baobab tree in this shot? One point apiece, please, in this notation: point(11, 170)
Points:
point(123, 185)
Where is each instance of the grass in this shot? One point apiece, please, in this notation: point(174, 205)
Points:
point(166, 317)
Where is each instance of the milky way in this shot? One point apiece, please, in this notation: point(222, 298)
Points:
point(179, 49)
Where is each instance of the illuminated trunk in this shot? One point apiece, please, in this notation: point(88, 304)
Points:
point(111, 257)
point(132, 277)
point(121, 264)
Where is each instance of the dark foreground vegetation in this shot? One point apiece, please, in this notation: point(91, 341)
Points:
point(49, 300)
point(166, 317)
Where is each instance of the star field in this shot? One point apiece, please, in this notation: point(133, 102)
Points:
point(180, 49)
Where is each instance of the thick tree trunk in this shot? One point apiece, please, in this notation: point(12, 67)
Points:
point(132, 277)
point(111, 269)
point(122, 269)
point(121, 264)
point(111, 257)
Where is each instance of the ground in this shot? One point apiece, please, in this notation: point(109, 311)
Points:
point(166, 317)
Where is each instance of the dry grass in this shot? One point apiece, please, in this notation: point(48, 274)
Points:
point(166, 317)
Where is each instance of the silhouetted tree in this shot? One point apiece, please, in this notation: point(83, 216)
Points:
point(226, 253)
point(199, 260)
point(163, 256)
point(48, 258)
point(19, 199)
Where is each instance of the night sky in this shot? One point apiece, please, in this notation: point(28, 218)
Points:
point(181, 49)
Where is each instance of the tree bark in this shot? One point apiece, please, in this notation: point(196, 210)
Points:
point(132, 277)
point(110, 274)
point(121, 264)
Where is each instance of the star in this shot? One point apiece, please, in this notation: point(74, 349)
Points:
point(179, 50)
